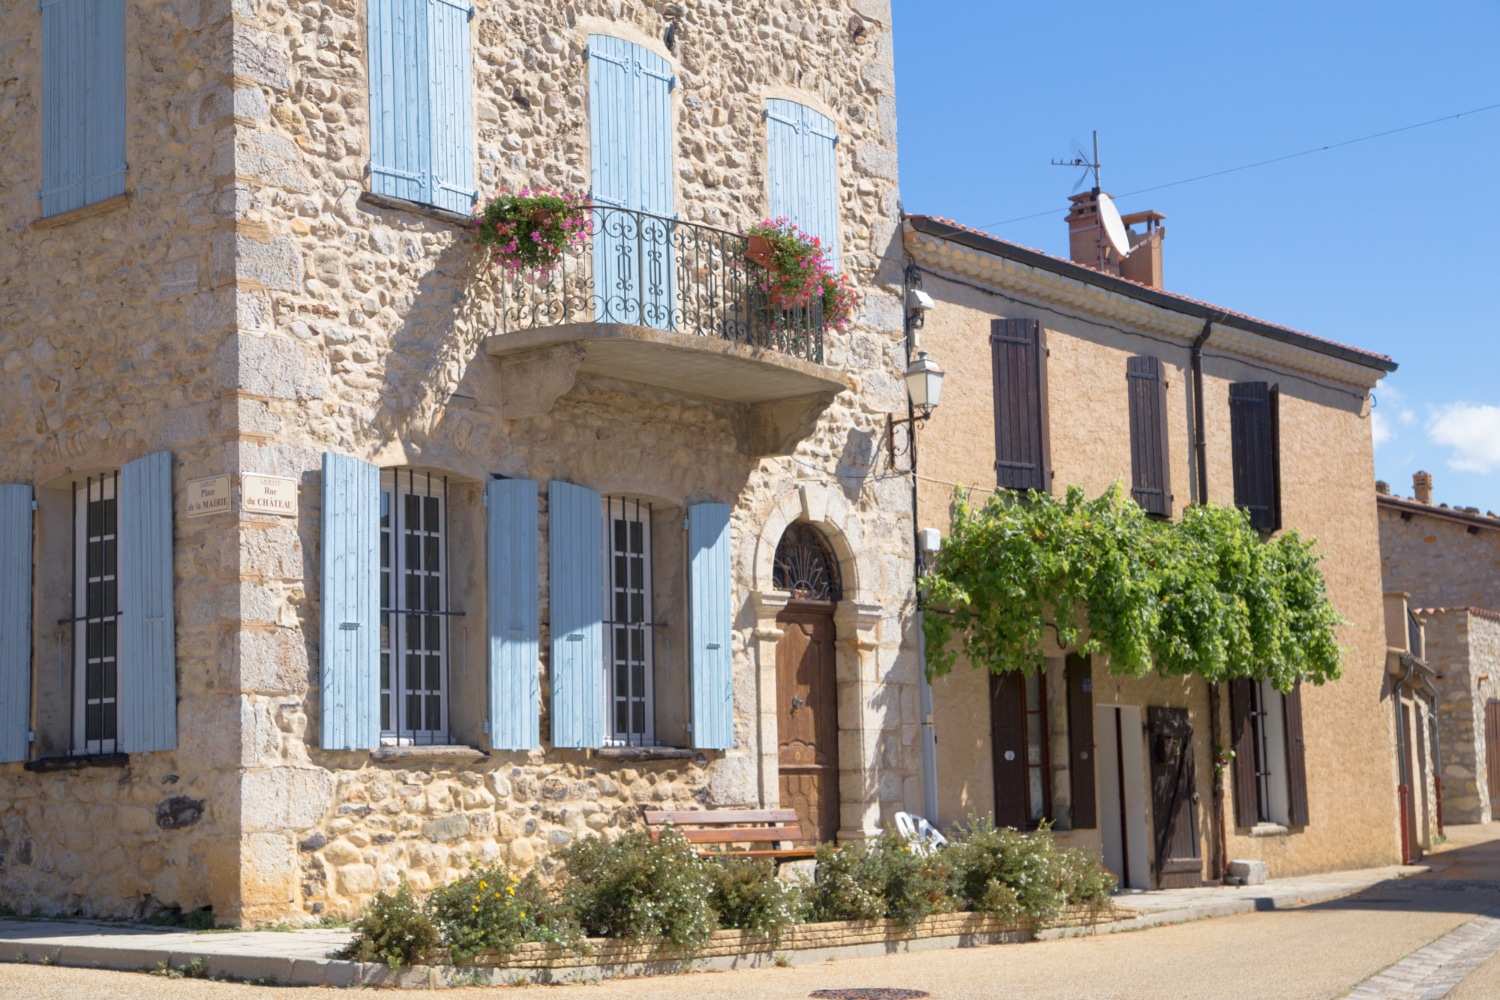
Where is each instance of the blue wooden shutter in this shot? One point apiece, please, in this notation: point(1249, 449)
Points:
point(83, 102)
point(15, 621)
point(515, 702)
point(400, 100)
point(452, 120)
point(803, 171)
point(148, 656)
point(350, 651)
point(630, 147)
point(712, 659)
point(575, 543)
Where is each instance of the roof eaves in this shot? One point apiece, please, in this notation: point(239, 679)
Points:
point(1442, 513)
point(978, 240)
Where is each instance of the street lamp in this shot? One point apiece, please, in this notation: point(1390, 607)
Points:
point(924, 384)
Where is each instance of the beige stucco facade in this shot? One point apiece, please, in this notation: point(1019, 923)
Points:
point(1326, 465)
point(248, 309)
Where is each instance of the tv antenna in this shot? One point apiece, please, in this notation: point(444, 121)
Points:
point(1080, 159)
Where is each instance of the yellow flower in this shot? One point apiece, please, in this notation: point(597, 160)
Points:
point(476, 909)
point(511, 890)
point(483, 885)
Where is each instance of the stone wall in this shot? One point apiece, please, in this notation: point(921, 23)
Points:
point(1439, 561)
point(1464, 648)
point(245, 308)
point(115, 321)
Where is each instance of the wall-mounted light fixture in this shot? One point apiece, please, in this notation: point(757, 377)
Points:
point(924, 384)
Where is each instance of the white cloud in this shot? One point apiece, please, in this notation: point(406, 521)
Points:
point(1407, 417)
point(1473, 432)
point(1380, 429)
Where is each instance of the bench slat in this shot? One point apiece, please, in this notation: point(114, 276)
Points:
point(719, 817)
point(756, 835)
point(788, 852)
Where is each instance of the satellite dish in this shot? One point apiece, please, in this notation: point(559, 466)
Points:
point(1114, 226)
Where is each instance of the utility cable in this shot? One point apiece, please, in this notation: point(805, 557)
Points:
point(1274, 159)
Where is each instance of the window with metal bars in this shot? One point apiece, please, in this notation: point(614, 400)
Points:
point(96, 615)
point(1269, 721)
point(629, 642)
point(414, 634)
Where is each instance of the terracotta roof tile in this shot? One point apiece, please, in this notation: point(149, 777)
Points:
point(1385, 358)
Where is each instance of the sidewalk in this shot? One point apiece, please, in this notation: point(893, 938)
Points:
point(299, 957)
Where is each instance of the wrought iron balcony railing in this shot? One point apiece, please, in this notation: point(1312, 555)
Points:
point(647, 270)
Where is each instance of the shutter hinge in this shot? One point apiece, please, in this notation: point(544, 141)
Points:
point(484, 498)
point(35, 505)
point(348, 626)
point(486, 726)
point(472, 13)
point(672, 83)
point(31, 736)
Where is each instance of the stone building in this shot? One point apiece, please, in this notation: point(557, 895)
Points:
point(1446, 560)
point(1064, 373)
point(349, 557)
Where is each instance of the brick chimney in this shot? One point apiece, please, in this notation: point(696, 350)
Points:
point(1421, 484)
point(1088, 246)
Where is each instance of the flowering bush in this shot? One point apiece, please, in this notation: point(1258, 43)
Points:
point(530, 231)
point(491, 909)
point(1023, 877)
point(396, 929)
point(885, 878)
point(748, 896)
point(635, 887)
point(793, 271)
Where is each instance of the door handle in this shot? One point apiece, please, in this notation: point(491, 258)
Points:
point(797, 702)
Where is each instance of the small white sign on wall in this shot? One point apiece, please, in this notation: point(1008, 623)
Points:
point(268, 495)
point(207, 496)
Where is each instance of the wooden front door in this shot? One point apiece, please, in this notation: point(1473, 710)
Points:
point(1179, 861)
point(807, 719)
point(1492, 752)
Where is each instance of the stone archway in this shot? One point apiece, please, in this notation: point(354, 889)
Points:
point(855, 627)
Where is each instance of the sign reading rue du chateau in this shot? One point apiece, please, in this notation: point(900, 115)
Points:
point(268, 495)
point(258, 495)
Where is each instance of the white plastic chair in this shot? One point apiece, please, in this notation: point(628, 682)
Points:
point(922, 835)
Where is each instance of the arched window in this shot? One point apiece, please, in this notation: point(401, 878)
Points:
point(804, 565)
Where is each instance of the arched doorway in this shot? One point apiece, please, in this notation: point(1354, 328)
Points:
point(806, 681)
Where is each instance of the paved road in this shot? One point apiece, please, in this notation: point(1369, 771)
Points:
point(1322, 951)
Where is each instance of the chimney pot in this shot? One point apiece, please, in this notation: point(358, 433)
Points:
point(1382, 487)
point(1421, 484)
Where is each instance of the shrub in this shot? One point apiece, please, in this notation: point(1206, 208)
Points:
point(491, 909)
point(636, 887)
point(748, 896)
point(530, 231)
point(1023, 878)
point(885, 878)
point(395, 929)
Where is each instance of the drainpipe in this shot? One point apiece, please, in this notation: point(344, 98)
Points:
point(1215, 727)
point(928, 735)
point(1199, 444)
point(1404, 787)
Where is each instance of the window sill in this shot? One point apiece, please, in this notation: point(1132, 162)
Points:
point(644, 753)
point(1269, 830)
point(82, 212)
point(43, 765)
point(370, 199)
point(451, 753)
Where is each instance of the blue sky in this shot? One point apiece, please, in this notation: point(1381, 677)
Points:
point(1390, 245)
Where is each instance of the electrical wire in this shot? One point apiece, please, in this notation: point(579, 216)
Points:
point(1263, 163)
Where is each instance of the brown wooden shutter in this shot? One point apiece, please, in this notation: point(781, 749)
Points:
point(1242, 741)
point(1081, 742)
point(1296, 758)
point(1252, 426)
point(1018, 361)
point(1149, 473)
point(1008, 746)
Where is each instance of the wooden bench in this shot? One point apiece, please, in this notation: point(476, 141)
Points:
point(728, 828)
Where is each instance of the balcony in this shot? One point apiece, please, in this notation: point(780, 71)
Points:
point(668, 304)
